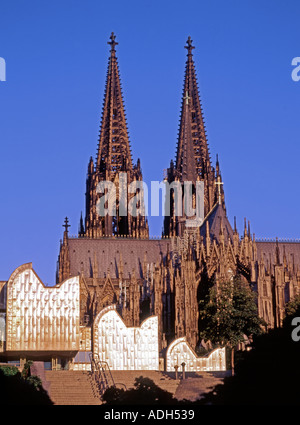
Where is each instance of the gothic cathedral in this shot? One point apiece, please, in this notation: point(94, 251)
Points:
point(118, 263)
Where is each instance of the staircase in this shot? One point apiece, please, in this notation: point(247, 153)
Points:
point(79, 388)
point(72, 388)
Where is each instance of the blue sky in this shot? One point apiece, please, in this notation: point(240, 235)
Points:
point(56, 57)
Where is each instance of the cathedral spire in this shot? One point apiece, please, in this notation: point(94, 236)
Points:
point(193, 161)
point(114, 165)
point(63, 266)
point(114, 146)
point(198, 135)
point(187, 165)
point(192, 140)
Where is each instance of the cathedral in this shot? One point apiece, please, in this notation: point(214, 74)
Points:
point(114, 272)
point(118, 263)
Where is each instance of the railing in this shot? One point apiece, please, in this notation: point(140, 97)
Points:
point(102, 375)
point(151, 237)
point(280, 240)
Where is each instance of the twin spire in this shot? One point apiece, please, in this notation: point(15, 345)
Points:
point(114, 153)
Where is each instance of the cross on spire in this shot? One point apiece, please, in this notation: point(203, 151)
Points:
point(187, 98)
point(219, 183)
point(66, 224)
point(189, 46)
point(112, 42)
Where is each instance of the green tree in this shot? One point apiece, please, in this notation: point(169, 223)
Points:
point(268, 374)
point(19, 388)
point(293, 306)
point(228, 313)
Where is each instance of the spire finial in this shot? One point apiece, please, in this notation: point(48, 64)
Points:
point(245, 227)
point(112, 42)
point(66, 224)
point(189, 46)
point(81, 226)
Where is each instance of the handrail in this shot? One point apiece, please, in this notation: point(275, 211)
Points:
point(102, 362)
point(104, 366)
point(99, 369)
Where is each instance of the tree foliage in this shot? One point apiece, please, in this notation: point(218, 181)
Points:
point(293, 306)
point(228, 313)
point(268, 374)
point(21, 388)
point(9, 370)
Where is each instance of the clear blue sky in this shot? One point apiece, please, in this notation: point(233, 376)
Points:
point(56, 55)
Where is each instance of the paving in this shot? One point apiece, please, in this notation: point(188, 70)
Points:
point(196, 385)
point(78, 387)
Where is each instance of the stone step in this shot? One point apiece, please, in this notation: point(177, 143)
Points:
point(72, 388)
point(78, 388)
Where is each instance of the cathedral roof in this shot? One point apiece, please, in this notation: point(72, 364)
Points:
point(110, 253)
point(218, 223)
point(286, 250)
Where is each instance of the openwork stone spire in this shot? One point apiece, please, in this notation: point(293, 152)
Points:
point(192, 161)
point(114, 153)
point(186, 164)
point(196, 121)
point(113, 164)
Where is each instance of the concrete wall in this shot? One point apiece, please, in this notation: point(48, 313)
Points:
point(40, 317)
point(179, 351)
point(125, 348)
